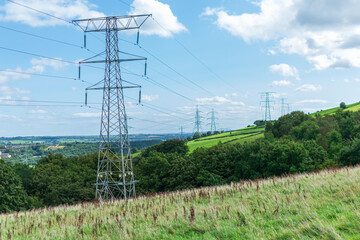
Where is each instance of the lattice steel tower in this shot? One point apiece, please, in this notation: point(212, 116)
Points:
point(181, 132)
point(267, 96)
point(198, 121)
point(115, 177)
point(285, 107)
point(213, 121)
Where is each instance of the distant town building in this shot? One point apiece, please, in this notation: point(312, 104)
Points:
point(5, 155)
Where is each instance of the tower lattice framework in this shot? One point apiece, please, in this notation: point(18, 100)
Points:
point(198, 121)
point(115, 177)
point(268, 104)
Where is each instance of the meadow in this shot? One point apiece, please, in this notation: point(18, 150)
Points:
point(237, 136)
point(322, 205)
point(350, 107)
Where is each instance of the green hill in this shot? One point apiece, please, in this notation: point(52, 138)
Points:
point(351, 107)
point(236, 136)
point(323, 205)
point(252, 133)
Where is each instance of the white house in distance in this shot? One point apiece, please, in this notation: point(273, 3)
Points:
point(4, 155)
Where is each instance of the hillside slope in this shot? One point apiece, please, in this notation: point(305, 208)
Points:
point(252, 133)
point(350, 107)
point(323, 205)
point(236, 136)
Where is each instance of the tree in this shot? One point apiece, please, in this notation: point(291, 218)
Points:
point(342, 105)
point(259, 123)
point(12, 195)
point(196, 135)
point(168, 146)
point(60, 180)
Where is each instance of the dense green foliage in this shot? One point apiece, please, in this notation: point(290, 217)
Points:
point(295, 143)
point(12, 195)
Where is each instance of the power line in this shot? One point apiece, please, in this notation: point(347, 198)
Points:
point(39, 101)
point(185, 48)
point(42, 56)
point(169, 67)
point(31, 105)
point(36, 10)
point(147, 78)
point(44, 75)
point(175, 71)
point(56, 59)
point(45, 38)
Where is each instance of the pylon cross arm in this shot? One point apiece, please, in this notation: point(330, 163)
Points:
point(123, 23)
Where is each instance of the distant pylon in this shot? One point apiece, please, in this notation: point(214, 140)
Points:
point(115, 177)
point(213, 121)
point(181, 132)
point(284, 107)
point(267, 96)
point(198, 122)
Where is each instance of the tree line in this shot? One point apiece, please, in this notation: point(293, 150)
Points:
point(295, 143)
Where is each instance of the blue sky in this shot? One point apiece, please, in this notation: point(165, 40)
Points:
point(224, 53)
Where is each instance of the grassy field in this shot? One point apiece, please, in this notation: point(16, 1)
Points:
point(236, 136)
point(323, 205)
point(351, 107)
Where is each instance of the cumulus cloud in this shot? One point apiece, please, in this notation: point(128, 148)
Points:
point(165, 24)
point(8, 91)
point(38, 66)
point(87, 115)
point(285, 70)
point(281, 83)
point(149, 98)
point(65, 9)
point(212, 101)
point(217, 100)
point(38, 111)
point(309, 88)
point(326, 33)
point(312, 101)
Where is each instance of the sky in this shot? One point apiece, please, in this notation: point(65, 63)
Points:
point(218, 55)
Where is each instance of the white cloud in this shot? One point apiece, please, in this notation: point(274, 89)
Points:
point(3, 116)
point(8, 91)
point(212, 101)
point(308, 88)
point(285, 70)
point(38, 66)
point(217, 100)
point(162, 13)
point(312, 101)
point(9, 75)
point(38, 111)
point(281, 83)
point(65, 9)
point(237, 103)
point(326, 33)
point(87, 115)
point(346, 80)
point(149, 98)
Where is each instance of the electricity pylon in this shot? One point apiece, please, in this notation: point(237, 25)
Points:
point(115, 177)
point(198, 122)
point(181, 132)
point(267, 96)
point(285, 108)
point(213, 121)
